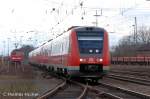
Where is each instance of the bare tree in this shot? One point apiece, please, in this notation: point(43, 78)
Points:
point(143, 35)
point(128, 46)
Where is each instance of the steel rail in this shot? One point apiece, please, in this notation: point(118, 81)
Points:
point(84, 92)
point(130, 79)
point(102, 93)
point(131, 73)
point(53, 91)
point(134, 93)
point(83, 86)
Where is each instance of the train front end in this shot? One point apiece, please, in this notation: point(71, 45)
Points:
point(16, 56)
point(92, 59)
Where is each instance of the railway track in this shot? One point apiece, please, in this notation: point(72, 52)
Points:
point(130, 79)
point(74, 90)
point(136, 73)
point(66, 90)
point(120, 93)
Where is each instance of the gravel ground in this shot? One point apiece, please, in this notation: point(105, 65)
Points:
point(141, 68)
point(146, 77)
point(127, 85)
point(129, 68)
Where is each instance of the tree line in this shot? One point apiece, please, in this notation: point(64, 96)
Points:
point(135, 44)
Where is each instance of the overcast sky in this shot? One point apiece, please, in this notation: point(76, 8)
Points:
point(35, 21)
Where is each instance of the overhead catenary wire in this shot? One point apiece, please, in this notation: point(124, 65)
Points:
point(71, 12)
point(60, 9)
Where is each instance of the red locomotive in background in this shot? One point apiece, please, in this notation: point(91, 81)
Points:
point(16, 56)
point(79, 52)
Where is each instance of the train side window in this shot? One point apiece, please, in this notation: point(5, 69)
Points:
point(64, 46)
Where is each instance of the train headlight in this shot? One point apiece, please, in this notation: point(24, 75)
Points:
point(97, 51)
point(100, 60)
point(82, 60)
point(90, 50)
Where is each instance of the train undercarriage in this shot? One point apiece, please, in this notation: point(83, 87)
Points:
point(87, 72)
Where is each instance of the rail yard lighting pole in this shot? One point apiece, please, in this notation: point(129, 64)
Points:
point(21, 41)
point(135, 30)
point(8, 54)
point(96, 17)
point(8, 45)
point(3, 48)
point(3, 61)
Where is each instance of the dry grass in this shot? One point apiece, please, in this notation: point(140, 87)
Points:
point(18, 86)
point(17, 80)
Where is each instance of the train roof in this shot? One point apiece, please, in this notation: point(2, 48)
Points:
point(16, 50)
point(85, 28)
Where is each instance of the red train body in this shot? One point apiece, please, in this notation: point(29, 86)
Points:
point(16, 56)
point(80, 52)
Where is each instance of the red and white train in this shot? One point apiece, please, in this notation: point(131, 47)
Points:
point(82, 51)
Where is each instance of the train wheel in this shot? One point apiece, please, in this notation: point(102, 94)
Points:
point(94, 81)
point(68, 76)
point(52, 68)
point(49, 69)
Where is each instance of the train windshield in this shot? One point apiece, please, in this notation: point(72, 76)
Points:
point(90, 42)
point(16, 53)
